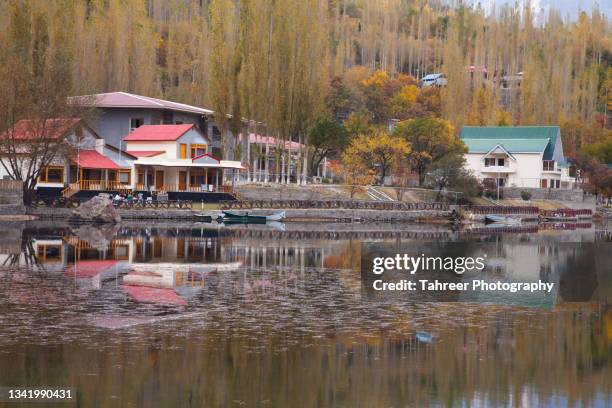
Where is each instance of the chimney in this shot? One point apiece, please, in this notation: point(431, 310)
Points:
point(100, 146)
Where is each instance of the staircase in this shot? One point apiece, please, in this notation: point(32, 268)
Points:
point(71, 190)
point(378, 195)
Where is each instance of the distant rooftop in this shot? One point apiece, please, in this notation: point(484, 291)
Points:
point(128, 100)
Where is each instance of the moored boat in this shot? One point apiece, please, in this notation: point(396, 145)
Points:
point(491, 218)
point(246, 217)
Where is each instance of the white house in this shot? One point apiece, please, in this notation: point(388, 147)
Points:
point(522, 156)
point(175, 158)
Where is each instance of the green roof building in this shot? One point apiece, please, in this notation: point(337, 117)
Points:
point(521, 156)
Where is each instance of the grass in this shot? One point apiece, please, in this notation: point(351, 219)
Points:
point(205, 206)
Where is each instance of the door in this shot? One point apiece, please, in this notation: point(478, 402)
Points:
point(544, 183)
point(159, 179)
point(182, 151)
point(182, 180)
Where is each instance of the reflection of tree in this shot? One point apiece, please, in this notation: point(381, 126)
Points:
point(500, 357)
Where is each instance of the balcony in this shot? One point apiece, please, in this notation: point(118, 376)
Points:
point(497, 169)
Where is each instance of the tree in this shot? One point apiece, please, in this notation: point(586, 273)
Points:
point(402, 102)
point(35, 116)
point(450, 171)
point(429, 139)
point(357, 124)
point(326, 137)
point(354, 172)
point(601, 151)
point(377, 152)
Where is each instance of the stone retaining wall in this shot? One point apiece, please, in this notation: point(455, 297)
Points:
point(292, 214)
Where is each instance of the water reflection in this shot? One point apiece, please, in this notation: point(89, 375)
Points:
point(177, 315)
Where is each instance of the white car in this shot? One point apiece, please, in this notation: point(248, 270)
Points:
point(433, 80)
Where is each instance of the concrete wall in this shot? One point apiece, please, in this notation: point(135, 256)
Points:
point(545, 193)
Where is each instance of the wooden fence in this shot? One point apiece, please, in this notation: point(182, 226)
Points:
point(11, 185)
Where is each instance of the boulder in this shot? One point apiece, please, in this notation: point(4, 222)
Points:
point(98, 209)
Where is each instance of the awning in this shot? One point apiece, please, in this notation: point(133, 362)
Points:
point(154, 295)
point(91, 159)
point(89, 269)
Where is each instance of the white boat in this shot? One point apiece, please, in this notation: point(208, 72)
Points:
point(276, 217)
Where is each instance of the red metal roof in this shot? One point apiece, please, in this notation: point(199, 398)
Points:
point(91, 159)
point(158, 132)
point(89, 269)
point(155, 295)
point(26, 129)
point(145, 153)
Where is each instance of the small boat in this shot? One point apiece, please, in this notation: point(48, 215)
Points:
point(234, 217)
point(489, 219)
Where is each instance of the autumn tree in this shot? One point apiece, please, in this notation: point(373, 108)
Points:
point(429, 139)
point(35, 75)
point(376, 152)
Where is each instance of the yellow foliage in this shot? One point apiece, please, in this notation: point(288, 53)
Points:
point(403, 100)
point(378, 79)
point(502, 118)
point(373, 153)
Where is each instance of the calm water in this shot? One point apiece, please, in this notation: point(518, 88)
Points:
point(198, 315)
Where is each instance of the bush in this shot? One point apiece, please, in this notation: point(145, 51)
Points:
point(525, 195)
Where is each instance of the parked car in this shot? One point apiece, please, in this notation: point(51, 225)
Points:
point(433, 80)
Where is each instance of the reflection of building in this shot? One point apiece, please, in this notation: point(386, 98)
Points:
point(167, 270)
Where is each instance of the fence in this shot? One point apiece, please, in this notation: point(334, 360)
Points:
point(11, 185)
point(567, 213)
point(333, 204)
point(498, 209)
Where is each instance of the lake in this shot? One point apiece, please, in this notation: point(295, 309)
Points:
point(171, 315)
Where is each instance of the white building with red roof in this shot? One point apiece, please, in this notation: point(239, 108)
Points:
point(176, 159)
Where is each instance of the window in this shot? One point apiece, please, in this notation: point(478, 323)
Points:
point(135, 123)
point(182, 151)
point(500, 162)
point(141, 176)
point(489, 162)
point(197, 150)
point(501, 182)
point(51, 174)
point(125, 176)
point(548, 165)
point(196, 178)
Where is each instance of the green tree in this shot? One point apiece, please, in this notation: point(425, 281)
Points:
point(325, 138)
point(429, 139)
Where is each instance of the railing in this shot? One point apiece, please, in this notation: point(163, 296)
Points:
point(186, 188)
point(566, 213)
point(333, 204)
point(500, 209)
point(141, 205)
